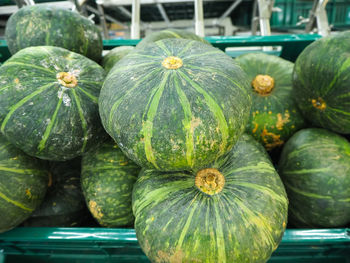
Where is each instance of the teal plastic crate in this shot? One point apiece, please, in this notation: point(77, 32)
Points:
point(338, 12)
point(291, 45)
point(86, 245)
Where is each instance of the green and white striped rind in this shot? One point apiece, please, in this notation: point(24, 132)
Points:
point(273, 117)
point(175, 119)
point(176, 222)
point(107, 180)
point(315, 169)
point(51, 26)
point(322, 71)
point(43, 118)
point(23, 183)
point(113, 56)
point(64, 204)
point(170, 33)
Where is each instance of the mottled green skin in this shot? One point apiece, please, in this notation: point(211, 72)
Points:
point(64, 204)
point(273, 117)
point(322, 71)
point(23, 184)
point(176, 222)
point(169, 33)
point(113, 56)
point(107, 180)
point(315, 169)
point(175, 119)
point(52, 26)
point(42, 117)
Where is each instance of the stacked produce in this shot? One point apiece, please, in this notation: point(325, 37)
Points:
point(178, 108)
point(48, 106)
point(314, 164)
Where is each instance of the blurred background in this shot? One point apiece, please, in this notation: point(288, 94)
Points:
point(125, 19)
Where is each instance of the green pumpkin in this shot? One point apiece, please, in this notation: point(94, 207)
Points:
point(23, 184)
point(43, 25)
point(64, 204)
point(113, 56)
point(235, 210)
point(315, 169)
point(274, 115)
point(107, 179)
point(176, 104)
point(48, 102)
point(321, 82)
point(169, 33)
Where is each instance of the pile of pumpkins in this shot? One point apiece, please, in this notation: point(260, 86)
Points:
point(172, 137)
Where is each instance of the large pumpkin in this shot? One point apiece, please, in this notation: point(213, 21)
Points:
point(43, 25)
point(48, 102)
point(322, 84)
point(175, 104)
point(274, 115)
point(315, 169)
point(234, 210)
point(23, 184)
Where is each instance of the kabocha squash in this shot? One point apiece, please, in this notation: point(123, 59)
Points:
point(64, 204)
point(42, 25)
point(234, 210)
point(48, 102)
point(23, 184)
point(274, 115)
point(322, 84)
point(169, 33)
point(175, 104)
point(113, 56)
point(315, 169)
point(107, 179)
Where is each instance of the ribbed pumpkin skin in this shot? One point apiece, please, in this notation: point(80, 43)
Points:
point(64, 204)
point(176, 222)
point(42, 117)
point(175, 119)
point(274, 117)
point(322, 84)
point(169, 33)
point(107, 180)
point(23, 183)
point(315, 169)
point(52, 26)
point(113, 56)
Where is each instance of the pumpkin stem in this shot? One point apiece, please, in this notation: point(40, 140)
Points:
point(50, 180)
point(263, 84)
point(172, 62)
point(210, 181)
point(67, 79)
point(319, 104)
